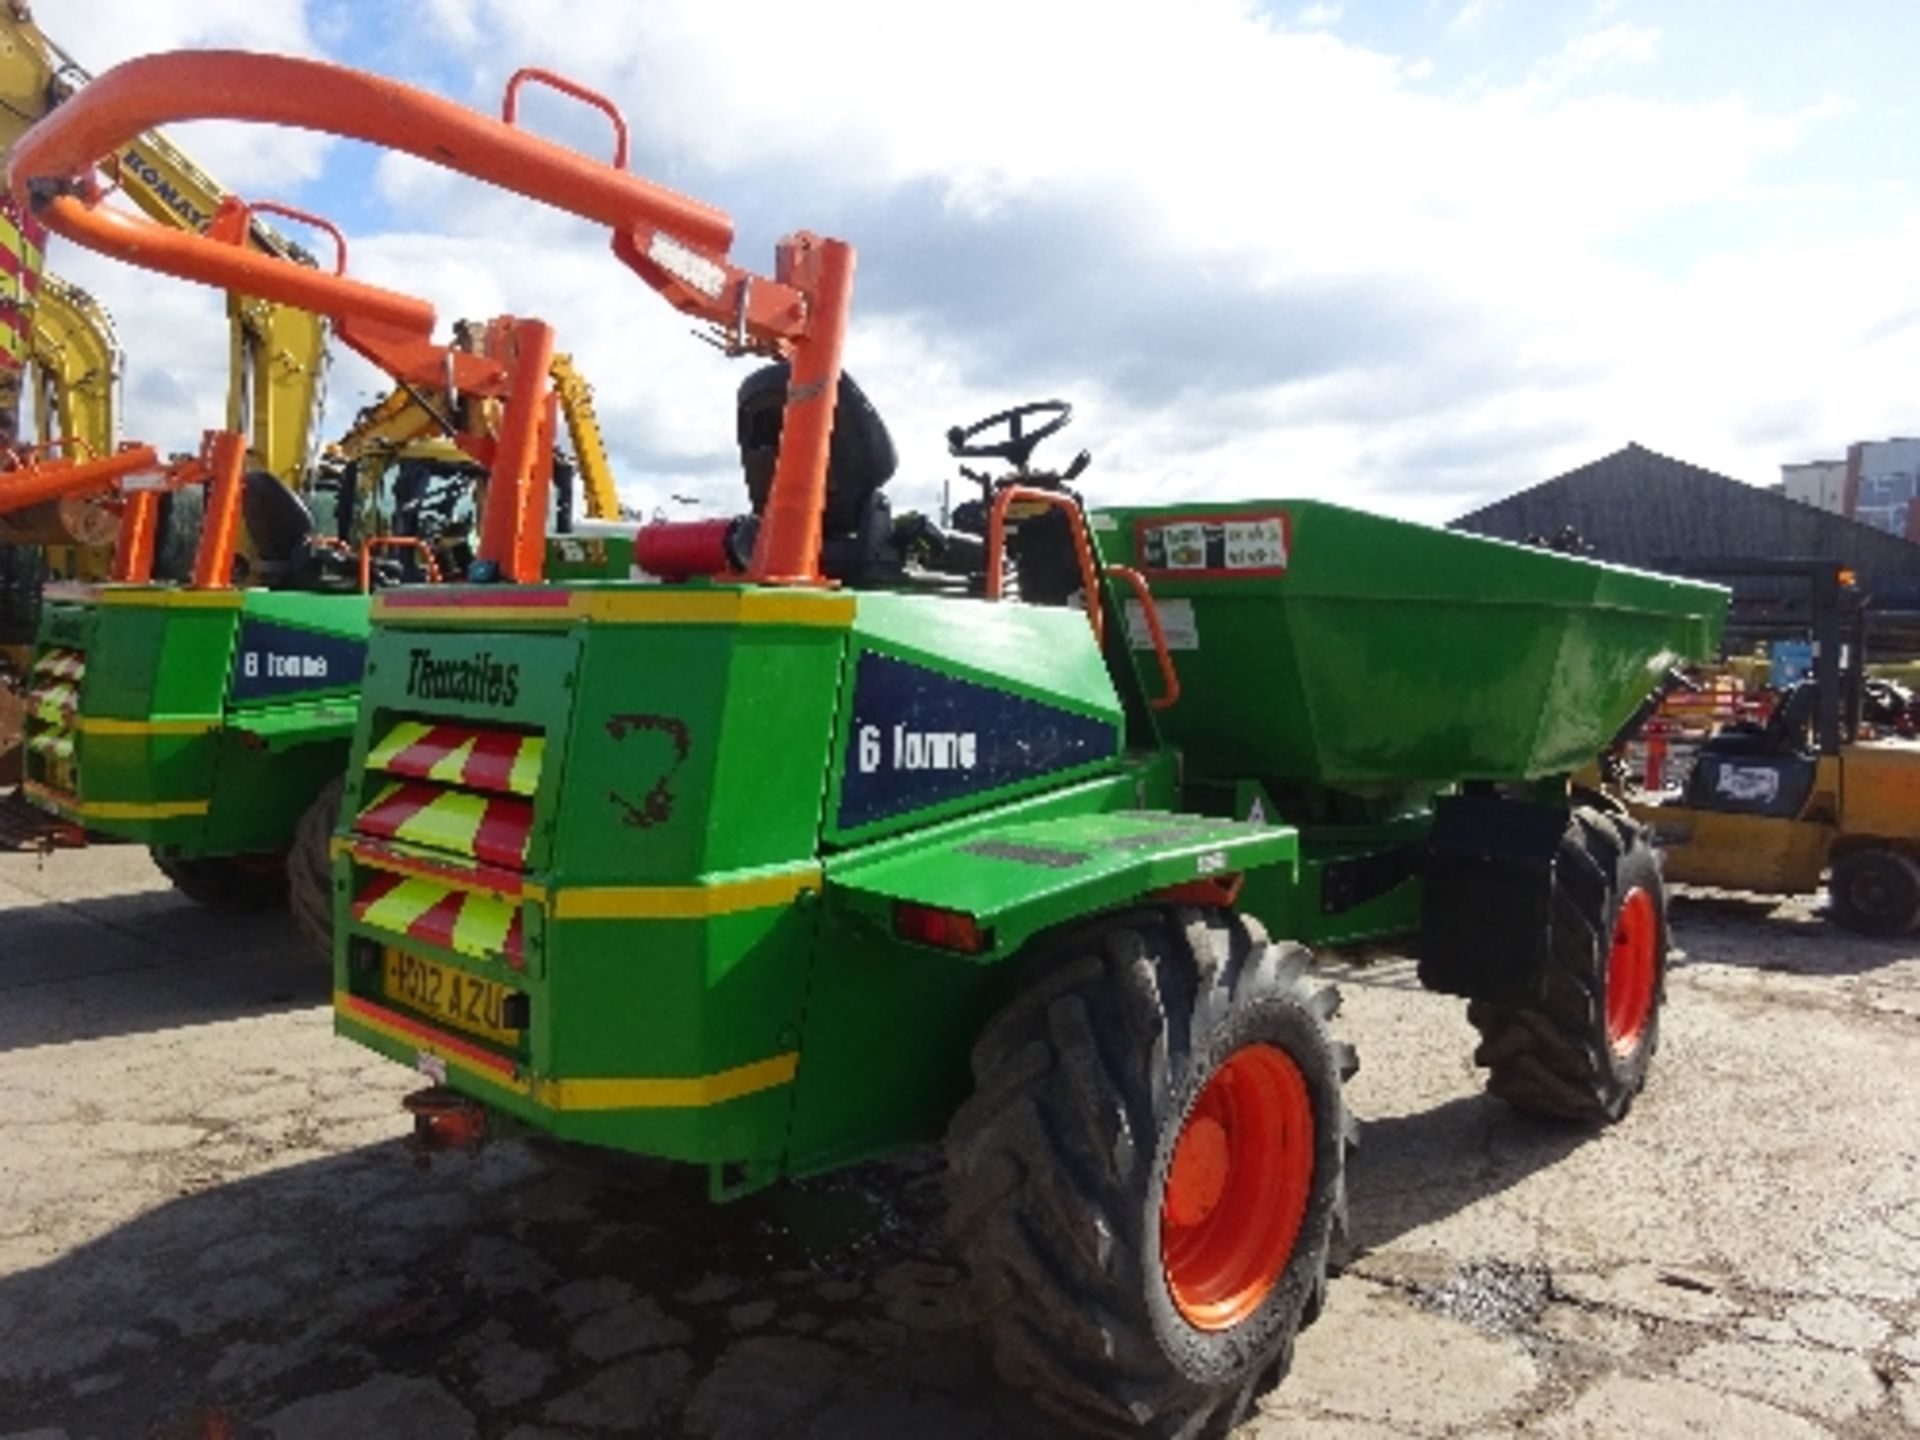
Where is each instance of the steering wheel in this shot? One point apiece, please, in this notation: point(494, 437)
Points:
point(1018, 445)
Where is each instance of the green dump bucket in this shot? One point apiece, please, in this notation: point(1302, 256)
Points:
point(1321, 645)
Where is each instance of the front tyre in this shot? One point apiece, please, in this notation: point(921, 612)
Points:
point(1874, 892)
point(1148, 1178)
point(1581, 1049)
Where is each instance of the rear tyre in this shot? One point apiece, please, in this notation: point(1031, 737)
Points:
point(1582, 1050)
point(1875, 892)
point(310, 868)
point(1148, 1178)
point(228, 883)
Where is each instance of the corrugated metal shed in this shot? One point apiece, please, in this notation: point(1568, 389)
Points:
point(1636, 507)
point(1641, 508)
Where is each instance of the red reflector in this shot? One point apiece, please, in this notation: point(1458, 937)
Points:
point(943, 929)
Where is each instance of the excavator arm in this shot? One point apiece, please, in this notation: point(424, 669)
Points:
point(677, 245)
point(278, 351)
point(76, 367)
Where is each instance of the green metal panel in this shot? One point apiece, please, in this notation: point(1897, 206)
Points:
point(1021, 877)
point(208, 721)
point(999, 677)
point(1372, 655)
point(880, 1008)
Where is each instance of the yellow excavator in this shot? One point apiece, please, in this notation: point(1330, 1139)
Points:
point(57, 345)
point(278, 353)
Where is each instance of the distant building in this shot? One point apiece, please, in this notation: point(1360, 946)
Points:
point(1636, 507)
point(1883, 477)
point(1819, 483)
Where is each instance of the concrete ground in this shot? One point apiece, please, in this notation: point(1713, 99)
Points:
point(209, 1227)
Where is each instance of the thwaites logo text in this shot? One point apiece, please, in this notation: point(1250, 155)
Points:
point(475, 679)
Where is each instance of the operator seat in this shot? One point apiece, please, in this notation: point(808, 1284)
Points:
point(281, 526)
point(856, 529)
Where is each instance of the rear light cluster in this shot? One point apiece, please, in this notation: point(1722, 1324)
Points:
point(942, 929)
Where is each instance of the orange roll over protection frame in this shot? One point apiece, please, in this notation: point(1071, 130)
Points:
point(676, 244)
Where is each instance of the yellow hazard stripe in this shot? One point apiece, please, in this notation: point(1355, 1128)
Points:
point(524, 776)
point(480, 929)
point(61, 667)
point(53, 704)
point(402, 737)
point(103, 725)
point(448, 768)
point(404, 904)
point(118, 809)
point(145, 598)
point(661, 607)
point(683, 902)
point(670, 1093)
point(450, 821)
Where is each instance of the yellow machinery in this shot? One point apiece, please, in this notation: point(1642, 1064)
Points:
point(75, 377)
point(279, 353)
point(1771, 807)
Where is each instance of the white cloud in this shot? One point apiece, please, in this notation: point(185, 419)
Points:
point(102, 33)
point(1476, 327)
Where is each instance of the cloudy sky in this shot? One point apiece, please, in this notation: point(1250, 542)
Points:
point(1407, 254)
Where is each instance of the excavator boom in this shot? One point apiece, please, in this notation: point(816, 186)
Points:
point(279, 351)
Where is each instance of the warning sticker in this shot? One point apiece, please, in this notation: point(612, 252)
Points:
point(1176, 624)
point(1193, 547)
point(1749, 784)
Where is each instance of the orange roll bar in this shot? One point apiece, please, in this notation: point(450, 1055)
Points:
point(36, 484)
point(160, 90)
point(676, 244)
point(513, 528)
point(1082, 548)
point(133, 550)
point(225, 456)
point(1169, 695)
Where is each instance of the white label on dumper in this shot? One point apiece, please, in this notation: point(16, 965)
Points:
point(1176, 623)
point(1750, 783)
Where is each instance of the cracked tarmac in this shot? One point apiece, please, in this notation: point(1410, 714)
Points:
point(209, 1226)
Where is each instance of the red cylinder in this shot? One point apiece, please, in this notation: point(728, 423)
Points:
point(678, 549)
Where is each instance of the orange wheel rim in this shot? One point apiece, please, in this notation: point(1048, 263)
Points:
point(1632, 969)
point(1237, 1187)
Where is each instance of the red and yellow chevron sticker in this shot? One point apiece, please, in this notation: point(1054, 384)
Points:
point(503, 761)
point(492, 829)
point(54, 705)
point(23, 244)
point(55, 744)
point(483, 926)
point(61, 664)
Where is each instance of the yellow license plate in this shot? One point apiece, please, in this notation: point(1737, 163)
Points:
point(450, 996)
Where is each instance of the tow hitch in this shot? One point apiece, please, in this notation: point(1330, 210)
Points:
point(444, 1120)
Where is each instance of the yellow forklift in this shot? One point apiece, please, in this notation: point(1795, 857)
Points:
point(1814, 790)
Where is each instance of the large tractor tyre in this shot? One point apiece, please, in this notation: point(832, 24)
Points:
point(228, 883)
point(1582, 1049)
point(1150, 1174)
point(1874, 892)
point(310, 868)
